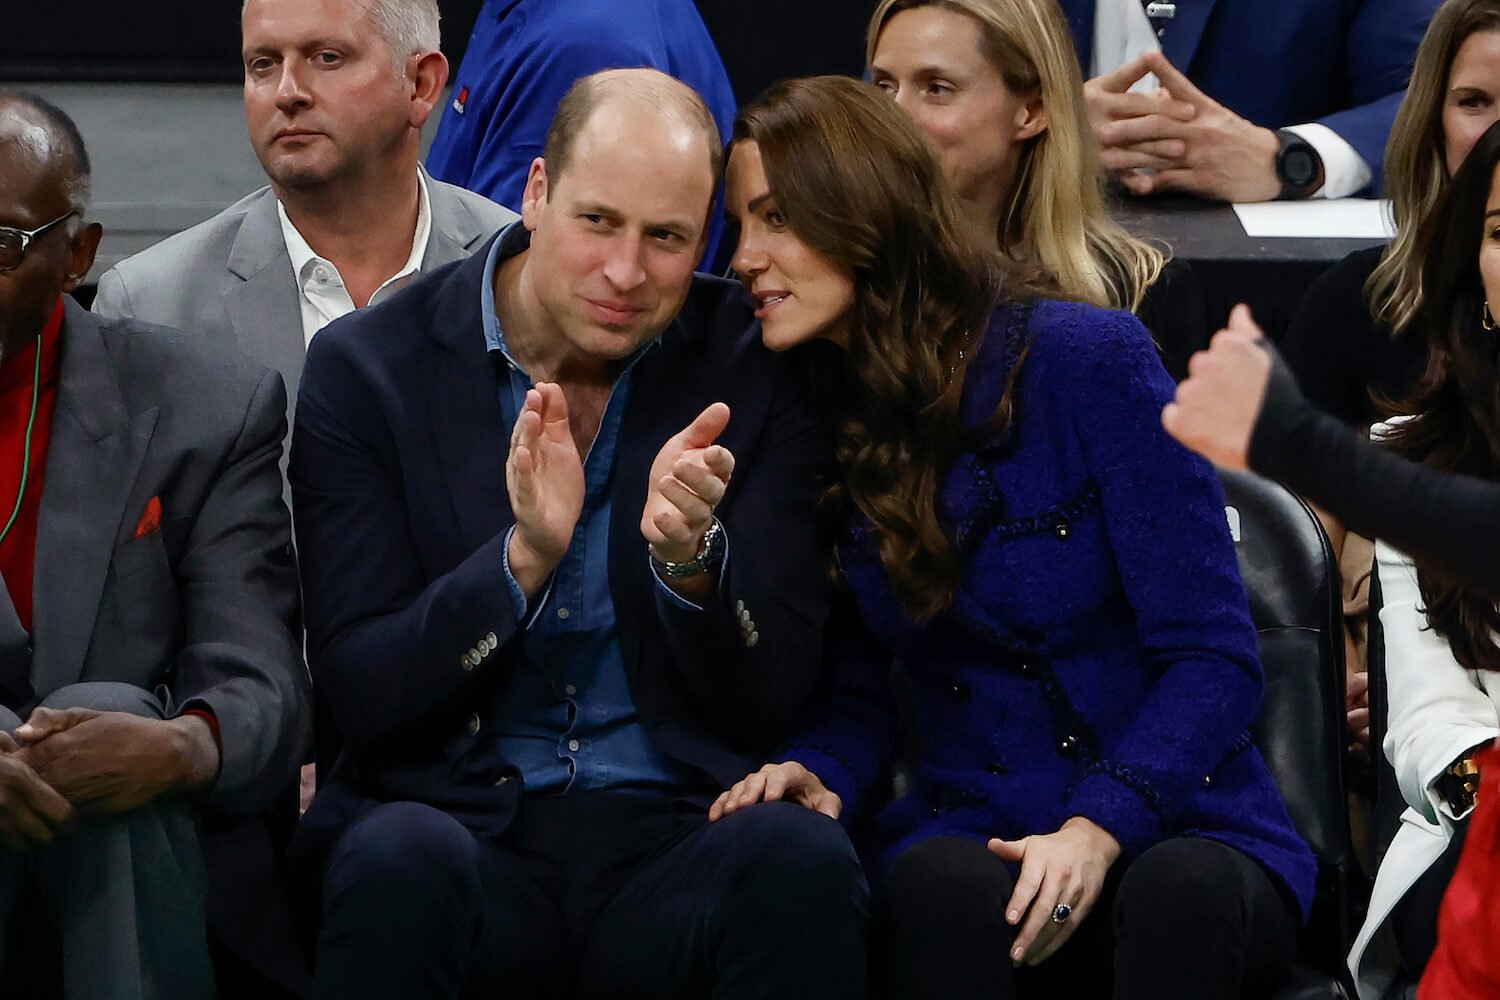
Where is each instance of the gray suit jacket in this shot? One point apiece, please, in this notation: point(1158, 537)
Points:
point(230, 277)
point(203, 611)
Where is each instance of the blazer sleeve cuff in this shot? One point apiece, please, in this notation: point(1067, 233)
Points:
point(1443, 755)
point(1122, 802)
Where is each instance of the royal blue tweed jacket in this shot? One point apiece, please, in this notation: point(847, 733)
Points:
point(1099, 660)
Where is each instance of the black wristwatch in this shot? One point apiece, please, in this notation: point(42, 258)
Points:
point(1299, 168)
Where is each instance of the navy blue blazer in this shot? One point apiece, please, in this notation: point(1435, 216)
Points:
point(1098, 660)
point(398, 485)
point(1340, 63)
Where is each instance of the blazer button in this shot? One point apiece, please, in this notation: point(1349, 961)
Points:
point(1208, 780)
point(752, 639)
point(1067, 746)
point(467, 661)
point(491, 642)
point(1028, 671)
point(996, 768)
point(473, 725)
point(1061, 530)
point(960, 691)
point(503, 780)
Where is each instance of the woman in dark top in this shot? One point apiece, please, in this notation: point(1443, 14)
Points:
point(995, 87)
point(1353, 334)
point(1056, 576)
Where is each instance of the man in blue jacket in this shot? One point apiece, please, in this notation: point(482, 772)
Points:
point(1246, 100)
point(556, 508)
point(525, 54)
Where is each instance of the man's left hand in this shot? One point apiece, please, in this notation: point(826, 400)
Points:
point(1222, 156)
point(114, 762)
point(688, 480)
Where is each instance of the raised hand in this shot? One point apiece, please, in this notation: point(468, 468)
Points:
point(688, 480)
point(1064, 867)
point(1212, 153)
point(1217, 404)
point(788, 780)
point(544, 477)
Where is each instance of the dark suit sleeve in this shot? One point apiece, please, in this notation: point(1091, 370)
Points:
point(778, 574)
point(240, 657)
point(387, 640)
point(1379, 48)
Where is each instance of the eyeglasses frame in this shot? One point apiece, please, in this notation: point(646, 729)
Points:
point(29, 236)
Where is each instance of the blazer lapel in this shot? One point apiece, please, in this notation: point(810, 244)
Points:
point(463, 412)
point(454, 229)
point(95, 453)
point(1185, 32)
point(263, 309)
point(1080, 14)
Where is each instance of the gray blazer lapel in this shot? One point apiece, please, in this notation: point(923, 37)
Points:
point(263, 308)
point(455, 231)
point(95, 453)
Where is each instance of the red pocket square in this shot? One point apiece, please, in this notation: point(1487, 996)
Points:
point(150, 521)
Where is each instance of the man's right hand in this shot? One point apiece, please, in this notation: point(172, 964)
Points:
point(788, 780)
point(32, 812)
point(544, 477)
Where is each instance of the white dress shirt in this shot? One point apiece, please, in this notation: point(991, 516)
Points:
point(320, 287)
point(1123, 32)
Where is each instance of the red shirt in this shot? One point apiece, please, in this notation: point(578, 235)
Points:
point(18, 548)
point(1466, 965)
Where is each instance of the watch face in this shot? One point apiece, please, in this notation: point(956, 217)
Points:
point(1299, 167)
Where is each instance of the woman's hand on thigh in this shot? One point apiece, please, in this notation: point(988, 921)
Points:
point(1066, 867)
point(788, 780)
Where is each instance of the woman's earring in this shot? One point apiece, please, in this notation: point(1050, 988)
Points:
point(1486, 319)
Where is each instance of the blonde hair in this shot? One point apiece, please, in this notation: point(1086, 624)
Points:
point(1056, 219)
point(1416, 167)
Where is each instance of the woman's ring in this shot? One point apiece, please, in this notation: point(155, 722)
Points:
point(1061, 912)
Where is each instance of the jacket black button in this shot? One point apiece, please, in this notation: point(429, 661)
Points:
point(1061, 529)
point(960, 691)
point(1067, 746)
point(1028, 671)
point(996, 768)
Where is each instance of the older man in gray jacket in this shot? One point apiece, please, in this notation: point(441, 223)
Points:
point(148, 605)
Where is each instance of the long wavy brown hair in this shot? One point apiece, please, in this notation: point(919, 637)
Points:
point(1454, 422)
point(859, 185)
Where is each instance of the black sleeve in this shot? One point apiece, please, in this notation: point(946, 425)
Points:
point(1438, 517)
point(1332, 342)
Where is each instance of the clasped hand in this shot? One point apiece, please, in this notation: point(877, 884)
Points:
point(1179, 138)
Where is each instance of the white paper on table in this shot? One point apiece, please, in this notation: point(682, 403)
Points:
point(1335, 218)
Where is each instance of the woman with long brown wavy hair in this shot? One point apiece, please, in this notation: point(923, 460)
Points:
point(1055, 574)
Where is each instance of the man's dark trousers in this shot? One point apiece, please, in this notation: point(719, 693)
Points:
point(604, 894)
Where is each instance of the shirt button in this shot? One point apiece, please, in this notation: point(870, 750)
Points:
point(562, 614)
point(573, 745)
point(571, 690)
point(473, 726)
point(1067, 746)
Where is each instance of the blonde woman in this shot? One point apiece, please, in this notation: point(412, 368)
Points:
point(995, 87)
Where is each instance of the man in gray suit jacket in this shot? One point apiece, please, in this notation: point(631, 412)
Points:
point(152, 652)
point(336, 94)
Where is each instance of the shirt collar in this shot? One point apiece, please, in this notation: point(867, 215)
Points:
point(303, 256)
point(514, 239)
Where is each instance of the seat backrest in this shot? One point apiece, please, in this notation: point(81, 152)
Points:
point(1292, 580)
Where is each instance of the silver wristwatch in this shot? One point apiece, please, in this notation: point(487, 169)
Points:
point(710, 552)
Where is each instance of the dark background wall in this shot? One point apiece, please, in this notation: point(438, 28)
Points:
point(198, 40)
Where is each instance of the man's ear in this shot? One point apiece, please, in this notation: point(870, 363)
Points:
point(426, 76)
point(82, 250)
point(535, 193)
point(1031, 119)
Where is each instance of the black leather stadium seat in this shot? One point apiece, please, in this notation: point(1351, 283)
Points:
point(1292, 580)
